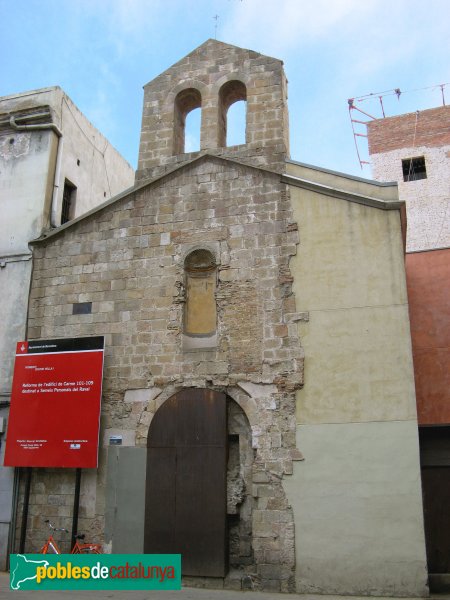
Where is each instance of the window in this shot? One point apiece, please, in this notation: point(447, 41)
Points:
point(82, 308)
point(232, 131)
point(185, 102)
point(414, 168)
point(68, 204)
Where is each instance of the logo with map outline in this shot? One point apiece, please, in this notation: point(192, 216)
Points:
point(95, 572)
point(24, 570)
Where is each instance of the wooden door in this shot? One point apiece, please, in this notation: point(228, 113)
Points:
point(436, 505)
point(185, 507)
point(435, 462)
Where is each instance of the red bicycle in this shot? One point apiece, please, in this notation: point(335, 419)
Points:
point(85, 548)
point(51, 545)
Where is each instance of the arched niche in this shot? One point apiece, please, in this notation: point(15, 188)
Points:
point(200, 311)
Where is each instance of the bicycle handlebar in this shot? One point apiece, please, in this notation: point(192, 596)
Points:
point(51, 526)
point(78, 536)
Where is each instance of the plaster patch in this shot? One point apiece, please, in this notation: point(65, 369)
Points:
point(143, 395)
point(258, 391)
point(14, 145)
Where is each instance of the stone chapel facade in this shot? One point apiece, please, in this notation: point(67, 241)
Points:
point(211, 280)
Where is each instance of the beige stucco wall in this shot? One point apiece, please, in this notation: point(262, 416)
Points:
point(350, 278)
point(357, 496)
point(379, 190)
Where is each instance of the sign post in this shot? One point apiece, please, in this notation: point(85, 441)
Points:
point(55, 410)
point(55, 403)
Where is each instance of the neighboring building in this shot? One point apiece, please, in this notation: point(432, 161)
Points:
point(54, 166)
point(414, 149)
point(257, 336)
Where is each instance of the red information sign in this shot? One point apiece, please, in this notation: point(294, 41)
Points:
point(55, 403)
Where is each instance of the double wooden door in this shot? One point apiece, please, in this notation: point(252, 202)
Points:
point(185, 507)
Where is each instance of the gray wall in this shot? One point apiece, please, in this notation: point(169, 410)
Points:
point(125, 500)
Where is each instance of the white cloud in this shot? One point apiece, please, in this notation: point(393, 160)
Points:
point(365, 35)
point(284, 25)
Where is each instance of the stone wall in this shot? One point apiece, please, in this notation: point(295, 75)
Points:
point(127, 259)
point(51, 498)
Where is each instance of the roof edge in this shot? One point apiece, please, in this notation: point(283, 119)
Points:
point(439, 249)
point(342, 174)
point(51, 88)
point(342, 194)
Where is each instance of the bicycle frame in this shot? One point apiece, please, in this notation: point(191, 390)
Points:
point(51, 545)
point(86, 548)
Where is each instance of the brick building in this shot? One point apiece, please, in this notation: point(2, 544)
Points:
point(257, 337)
point(414, 149)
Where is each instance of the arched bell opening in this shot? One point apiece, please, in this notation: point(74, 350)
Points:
point(186, 101)
point(230, 93)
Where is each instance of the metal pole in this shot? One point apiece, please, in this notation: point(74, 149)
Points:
point(26, 502)
point(76, 505)
point(12, 527)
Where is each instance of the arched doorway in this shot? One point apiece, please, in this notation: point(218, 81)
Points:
point(186, 487)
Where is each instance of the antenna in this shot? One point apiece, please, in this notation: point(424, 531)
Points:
point(216, 18)
point(354, 105)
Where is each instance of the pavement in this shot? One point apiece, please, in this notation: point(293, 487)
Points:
point(185, 594)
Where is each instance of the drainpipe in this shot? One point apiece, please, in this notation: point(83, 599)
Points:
point(13, 122)
point(38, 126)
point(54, 211)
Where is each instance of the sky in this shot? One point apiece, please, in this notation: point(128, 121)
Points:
point(102, 52)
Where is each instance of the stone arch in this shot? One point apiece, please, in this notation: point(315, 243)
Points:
point(247, 404)
point(241, 76)
point(184, 85)
point(186, 249)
